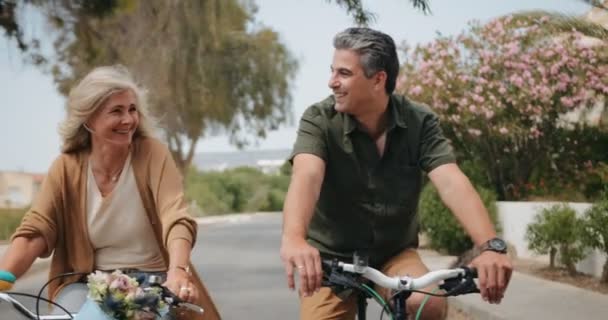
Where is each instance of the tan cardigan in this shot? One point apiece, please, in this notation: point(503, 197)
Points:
point(59, 215)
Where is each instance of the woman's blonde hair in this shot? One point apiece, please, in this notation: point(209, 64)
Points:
point(90, 93)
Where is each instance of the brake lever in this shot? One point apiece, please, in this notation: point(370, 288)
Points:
point(171, 298)
point(342, 285)
point(461, 284)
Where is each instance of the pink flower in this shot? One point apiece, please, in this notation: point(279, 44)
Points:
point(503, 130)
point(475, 132)
point(489, 114)
point(121, 283)
point(567, 101)
point(535, 133)
point(516, 80)
point(416, 90)
point(513, 48)
point(484, 69)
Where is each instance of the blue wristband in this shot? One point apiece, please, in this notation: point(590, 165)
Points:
point(7, 276)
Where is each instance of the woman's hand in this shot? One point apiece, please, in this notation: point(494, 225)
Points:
point(179, 282)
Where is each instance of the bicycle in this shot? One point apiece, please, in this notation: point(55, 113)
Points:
point(345, 278)
point(154, 281)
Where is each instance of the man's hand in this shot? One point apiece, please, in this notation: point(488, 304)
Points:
point(297, 254)
point(494, 270)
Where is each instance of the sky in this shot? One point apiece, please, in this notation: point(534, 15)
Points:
point(31, 108)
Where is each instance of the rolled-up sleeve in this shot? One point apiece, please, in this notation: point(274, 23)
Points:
point(310, 137)
point(435, 148)
point(41, 219)
point(171, 201)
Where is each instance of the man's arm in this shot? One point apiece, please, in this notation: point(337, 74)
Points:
point(302, 196)
point(460, 197)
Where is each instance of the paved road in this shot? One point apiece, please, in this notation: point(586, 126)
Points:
point(239, 262)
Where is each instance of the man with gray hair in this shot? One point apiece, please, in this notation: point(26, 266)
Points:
point(357, 166)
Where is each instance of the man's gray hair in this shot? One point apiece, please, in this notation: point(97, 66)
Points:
point(376, 49)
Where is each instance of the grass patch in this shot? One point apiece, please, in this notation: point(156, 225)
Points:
point(9, 221)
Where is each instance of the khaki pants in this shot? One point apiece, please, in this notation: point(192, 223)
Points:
point(324, 305)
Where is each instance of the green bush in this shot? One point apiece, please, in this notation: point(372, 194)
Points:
point(440, 225)
point(9, 221)
point(236, 190)
point(557, 230)
point(596, 230)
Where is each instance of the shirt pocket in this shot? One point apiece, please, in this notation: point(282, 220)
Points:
point(403, 186)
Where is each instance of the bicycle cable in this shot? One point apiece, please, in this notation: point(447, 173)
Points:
point(379, 300)
point(426, 298)
point(39, 297)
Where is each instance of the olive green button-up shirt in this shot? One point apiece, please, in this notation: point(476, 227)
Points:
point(368, 202)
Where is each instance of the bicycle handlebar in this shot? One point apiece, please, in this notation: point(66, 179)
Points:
point(171, 298)
point(405, 282)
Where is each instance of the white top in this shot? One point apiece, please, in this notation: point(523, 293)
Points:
point(119, 228)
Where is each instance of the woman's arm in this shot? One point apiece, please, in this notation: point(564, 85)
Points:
point(179, 229)
point(21, 254)
point(178, 274)
point(36, 235)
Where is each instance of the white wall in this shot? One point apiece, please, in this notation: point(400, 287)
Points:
point(515, 217)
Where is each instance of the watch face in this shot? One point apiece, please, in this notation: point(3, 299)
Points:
point(497, 244)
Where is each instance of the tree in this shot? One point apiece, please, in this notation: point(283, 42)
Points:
point(557, 229)
point(363, 17)
point(596, 229)
point(503, 92)
point(9, 21)
point(209, 66)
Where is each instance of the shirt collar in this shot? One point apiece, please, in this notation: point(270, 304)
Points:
point(395, 118)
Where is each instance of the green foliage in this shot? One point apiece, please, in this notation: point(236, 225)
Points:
point(596, 229)
point(440, 225)
point(242, 189)
point(9, 221)
point(557, 229)
point(210, 66)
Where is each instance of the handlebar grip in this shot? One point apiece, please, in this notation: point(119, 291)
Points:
point(7, 279)
point(192, 307)
point(471, 271)
point(5, 285)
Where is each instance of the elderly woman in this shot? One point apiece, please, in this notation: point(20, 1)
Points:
point(112, 200)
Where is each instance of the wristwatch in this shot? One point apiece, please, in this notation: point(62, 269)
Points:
point(494, 244)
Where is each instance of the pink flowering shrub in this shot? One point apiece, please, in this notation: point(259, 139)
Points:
point(502, 91)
